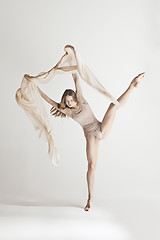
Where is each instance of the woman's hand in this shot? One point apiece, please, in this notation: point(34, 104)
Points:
point(52, 110)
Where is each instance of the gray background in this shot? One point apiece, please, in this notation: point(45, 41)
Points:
point(117, 40)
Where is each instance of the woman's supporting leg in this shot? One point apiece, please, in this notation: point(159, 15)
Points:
point(92, 144)
point(111, 111)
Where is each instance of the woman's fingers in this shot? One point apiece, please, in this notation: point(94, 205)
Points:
point(53, 109)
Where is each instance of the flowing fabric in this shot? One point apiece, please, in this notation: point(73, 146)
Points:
point(28, 96)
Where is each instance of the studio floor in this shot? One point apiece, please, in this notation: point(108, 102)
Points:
point(114, 219)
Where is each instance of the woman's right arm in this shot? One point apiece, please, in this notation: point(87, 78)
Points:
point(54, 104)
point(49, 100)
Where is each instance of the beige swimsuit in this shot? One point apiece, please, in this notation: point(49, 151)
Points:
point(85, 117)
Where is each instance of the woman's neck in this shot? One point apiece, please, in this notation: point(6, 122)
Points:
point(77, 107)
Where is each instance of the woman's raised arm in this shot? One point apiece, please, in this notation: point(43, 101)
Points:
point(78, 87)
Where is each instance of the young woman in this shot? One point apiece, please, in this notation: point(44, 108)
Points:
point(75, 106)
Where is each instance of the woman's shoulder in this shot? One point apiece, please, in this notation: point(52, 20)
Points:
point(67, 111)
point(82, 100)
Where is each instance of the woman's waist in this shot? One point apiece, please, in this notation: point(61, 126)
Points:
point(92, 126)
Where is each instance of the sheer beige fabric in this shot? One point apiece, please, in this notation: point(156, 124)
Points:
point(29, 98)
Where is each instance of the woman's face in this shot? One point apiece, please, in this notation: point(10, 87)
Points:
point(70, 102)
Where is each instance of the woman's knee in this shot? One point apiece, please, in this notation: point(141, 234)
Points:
point(113, 106)
point(91, 166)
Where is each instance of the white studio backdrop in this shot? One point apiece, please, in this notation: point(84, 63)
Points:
point(117, 40)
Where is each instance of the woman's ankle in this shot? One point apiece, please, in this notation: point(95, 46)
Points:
point(90, 197)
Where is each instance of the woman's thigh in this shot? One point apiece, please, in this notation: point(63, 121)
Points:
point(108, 119)
point(92, 144)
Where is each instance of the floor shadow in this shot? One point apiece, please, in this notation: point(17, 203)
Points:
point(42, 204)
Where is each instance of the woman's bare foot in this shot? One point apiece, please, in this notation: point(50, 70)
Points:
point(88, 206)
point(135, 82)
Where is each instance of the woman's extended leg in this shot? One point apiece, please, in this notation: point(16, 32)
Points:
point(92, 144)
point(111, 111)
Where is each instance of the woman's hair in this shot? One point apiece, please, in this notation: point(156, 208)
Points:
point(62, 104)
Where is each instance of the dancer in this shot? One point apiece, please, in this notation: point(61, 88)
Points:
point(77, 108)
point(29, 98)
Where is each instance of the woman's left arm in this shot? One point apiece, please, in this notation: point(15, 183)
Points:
point(78, 87)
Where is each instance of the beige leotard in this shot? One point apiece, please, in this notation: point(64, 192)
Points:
point(85, 117)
